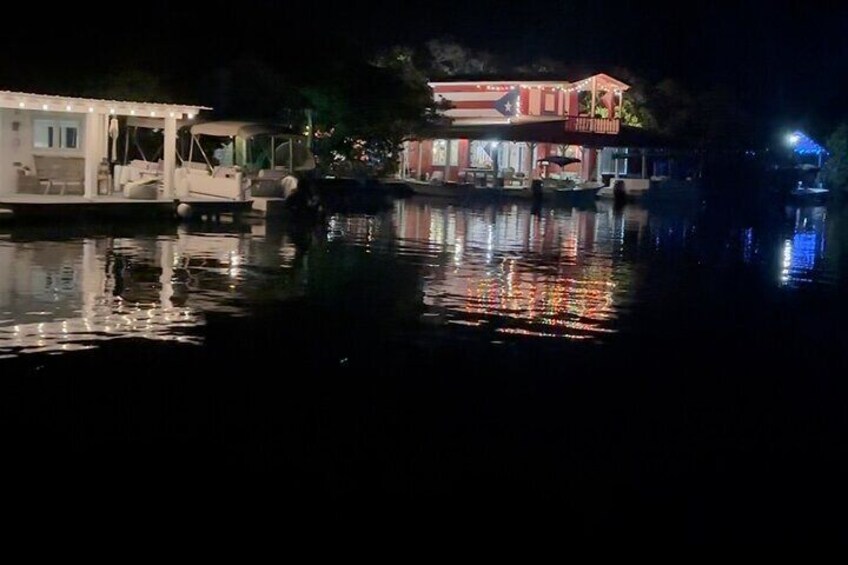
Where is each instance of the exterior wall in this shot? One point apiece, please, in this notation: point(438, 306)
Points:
point(573, 104)
point(16, 142)
point(539, 102)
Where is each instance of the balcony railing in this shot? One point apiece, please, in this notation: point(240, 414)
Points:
point(592, 125)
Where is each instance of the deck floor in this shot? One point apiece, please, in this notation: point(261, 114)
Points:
point(45, 206)
point(108, 199)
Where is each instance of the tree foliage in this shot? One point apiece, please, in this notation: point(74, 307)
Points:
point(835, 170)
point(448, 58)
point(363, 114)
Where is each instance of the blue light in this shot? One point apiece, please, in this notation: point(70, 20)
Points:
point(802, 144)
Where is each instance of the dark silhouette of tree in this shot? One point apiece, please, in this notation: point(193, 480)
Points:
point(835, 170)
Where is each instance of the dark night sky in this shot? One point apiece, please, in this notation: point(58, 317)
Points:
point(786, 57)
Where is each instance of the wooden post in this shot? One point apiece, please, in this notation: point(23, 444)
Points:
point(169, 152)
point(644, 164)
point(594, 97)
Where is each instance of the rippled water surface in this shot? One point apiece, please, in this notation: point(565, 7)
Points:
point(628, 366)
point(505, 270)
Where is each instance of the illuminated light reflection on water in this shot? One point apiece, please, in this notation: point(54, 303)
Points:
point(492, 272)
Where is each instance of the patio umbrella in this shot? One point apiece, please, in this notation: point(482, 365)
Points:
point(558, 160)
point(113, 133)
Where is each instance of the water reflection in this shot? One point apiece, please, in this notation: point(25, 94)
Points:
point(557, 273)
point(804, 249)
point(66, 295)
point(486, 272)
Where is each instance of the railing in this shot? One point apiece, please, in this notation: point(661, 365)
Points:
point(592, 125)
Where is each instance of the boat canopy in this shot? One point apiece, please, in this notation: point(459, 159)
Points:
point(238, 129)
point(151, 123)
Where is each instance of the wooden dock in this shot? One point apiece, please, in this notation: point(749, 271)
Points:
point(33, 207)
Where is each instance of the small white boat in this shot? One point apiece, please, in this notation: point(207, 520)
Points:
point(809, 194)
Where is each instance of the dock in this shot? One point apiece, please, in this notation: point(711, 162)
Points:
point(32, 207)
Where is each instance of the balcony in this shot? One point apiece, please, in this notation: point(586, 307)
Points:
point(585, 124)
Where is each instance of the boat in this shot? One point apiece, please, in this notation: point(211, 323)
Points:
point(576, 196)
point(440, 190)
point(625, 189)
point(808, 195)
point(251, 160)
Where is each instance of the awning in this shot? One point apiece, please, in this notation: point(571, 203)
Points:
point(804, 144)
point(546, 132)
point(152, 123)
point(239, 129)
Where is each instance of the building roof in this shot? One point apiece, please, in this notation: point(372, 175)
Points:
point(604, 82)
point(50, 102)
point(553, 131)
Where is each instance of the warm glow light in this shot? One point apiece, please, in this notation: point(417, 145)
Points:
point(191, 116)
point(90, 109)
point(152, 113)
point(132, 112)
point(21, 104)
point(111, 110)
point(172, 114)
point(68, 107)
point(44, 106)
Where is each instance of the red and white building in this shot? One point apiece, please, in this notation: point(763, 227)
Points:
point(502, 129)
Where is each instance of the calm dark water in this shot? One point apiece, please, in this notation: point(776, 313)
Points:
point(629, 368)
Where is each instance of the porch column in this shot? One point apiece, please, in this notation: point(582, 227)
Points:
point(598, 176)
point(615, 161)
point(644, 164)
point(420, 157)
point(448, 144)
point(93, 154)
point(404, 160)
point(169, 152)
point(527, 165)
point(594, 95)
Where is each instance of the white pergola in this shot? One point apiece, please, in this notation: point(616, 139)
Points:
point(97, 115)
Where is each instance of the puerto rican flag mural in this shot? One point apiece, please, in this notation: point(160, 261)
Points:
point(479, 101)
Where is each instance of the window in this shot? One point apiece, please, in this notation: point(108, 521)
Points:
point(443, 150)
point(55, 134)
point(480, 154)
point(439, 152)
